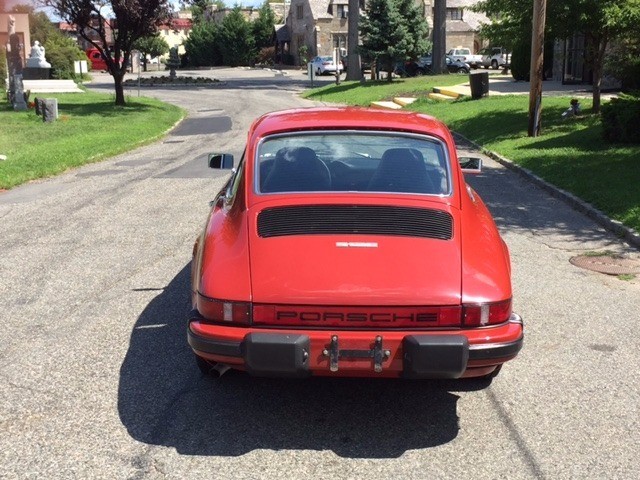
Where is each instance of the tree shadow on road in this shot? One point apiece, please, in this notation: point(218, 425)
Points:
point(163, 399)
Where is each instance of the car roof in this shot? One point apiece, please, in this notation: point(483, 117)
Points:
point(327, 118)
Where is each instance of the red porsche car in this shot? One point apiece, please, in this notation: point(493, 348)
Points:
point(347, 243)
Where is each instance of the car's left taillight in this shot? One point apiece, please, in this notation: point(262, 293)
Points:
point(223, 311)
point(483, 314)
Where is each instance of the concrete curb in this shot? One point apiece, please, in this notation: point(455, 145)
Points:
point(628, 234)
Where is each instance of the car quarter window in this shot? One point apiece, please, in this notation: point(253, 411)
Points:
point(235, 180)
point(352, 162)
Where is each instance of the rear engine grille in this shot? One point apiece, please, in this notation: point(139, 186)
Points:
point(357, 219)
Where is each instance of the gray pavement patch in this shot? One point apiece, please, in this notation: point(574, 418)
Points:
point(203, 126)
point(196, 168)
point(143, 161)
point(99, 173)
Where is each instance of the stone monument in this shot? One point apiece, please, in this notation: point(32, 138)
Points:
point(37, 67)
point(173, 62)
point(14, 62)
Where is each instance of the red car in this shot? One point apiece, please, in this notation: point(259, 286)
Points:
point(347, 243)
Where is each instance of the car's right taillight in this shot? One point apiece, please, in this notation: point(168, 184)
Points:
point(483, 314)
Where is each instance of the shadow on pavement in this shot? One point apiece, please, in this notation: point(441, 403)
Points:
point(164, 400)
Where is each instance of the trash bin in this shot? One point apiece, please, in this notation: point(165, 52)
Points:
point(479, 84)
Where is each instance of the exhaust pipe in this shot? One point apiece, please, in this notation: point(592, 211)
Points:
point(219, 369)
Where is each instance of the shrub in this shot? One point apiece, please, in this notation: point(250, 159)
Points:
point(61, 52)
point(521, 60)
point(620, 119)
point(266, 56)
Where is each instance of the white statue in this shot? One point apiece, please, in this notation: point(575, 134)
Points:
point(36, 58)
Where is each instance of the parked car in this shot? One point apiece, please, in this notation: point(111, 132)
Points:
point(322, 65)
point(465, 55)
point(422, 66)
point(347, 243)
point(495, 57)
point(97, 60)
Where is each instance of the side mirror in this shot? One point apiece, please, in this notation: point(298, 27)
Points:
point(470, 164)
point(221, 161)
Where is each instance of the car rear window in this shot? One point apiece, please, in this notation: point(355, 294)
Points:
point(352, 162)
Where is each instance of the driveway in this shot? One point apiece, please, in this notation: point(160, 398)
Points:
point(98, 381)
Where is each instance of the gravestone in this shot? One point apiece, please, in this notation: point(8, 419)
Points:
point(14, 63)
point(50, 110)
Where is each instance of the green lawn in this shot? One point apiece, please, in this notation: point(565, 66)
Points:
point(570, 153)
point(89, 128)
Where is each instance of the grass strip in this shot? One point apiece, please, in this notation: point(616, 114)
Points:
point(89, 128)
point(570, 154)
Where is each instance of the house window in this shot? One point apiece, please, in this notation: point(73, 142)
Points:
point(299, 12)
point(342, 11)
point(454, 14)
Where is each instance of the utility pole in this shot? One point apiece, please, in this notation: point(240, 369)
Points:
point(535, 72)
point(439, 36)
point(353, 59)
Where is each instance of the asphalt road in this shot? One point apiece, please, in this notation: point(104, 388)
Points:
point(97, 381)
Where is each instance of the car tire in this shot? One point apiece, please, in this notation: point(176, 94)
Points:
point(462, 70)
point(494, 64)
point(420, 72)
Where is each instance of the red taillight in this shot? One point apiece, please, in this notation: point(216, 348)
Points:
point(223, 311)
point(479, 315)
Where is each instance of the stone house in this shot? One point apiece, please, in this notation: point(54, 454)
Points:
point(462, 24)
point(321, 25)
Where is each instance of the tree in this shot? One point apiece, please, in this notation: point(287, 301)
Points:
point(600, 21)
point(202, 46)
point(263, 27)
point(199, 8)
point(393, 31)
point(603, 21)
point(132, 19)
point(151, 45)
point(236, 40)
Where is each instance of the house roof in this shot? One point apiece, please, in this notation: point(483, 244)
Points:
point(319, 8)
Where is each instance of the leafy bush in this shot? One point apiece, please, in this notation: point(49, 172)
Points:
point(61, 52)
point(266, 56)
point(620, 119)
point(521, 60)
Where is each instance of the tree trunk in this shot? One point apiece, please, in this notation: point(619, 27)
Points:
point(598, 68)
point(118, 79)
point(353, 59)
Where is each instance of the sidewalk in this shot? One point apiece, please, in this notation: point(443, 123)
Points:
point(506, 85)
